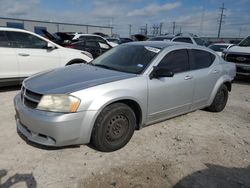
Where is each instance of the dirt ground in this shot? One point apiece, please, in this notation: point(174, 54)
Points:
point(200, 149)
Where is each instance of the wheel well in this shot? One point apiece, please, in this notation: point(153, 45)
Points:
point(135, 107)
point(229, 85)
point(75, 61)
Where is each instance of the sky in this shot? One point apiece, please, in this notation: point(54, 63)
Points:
point(192, 16)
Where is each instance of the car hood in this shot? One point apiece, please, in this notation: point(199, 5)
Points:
point(241, 49)
point(72, 78)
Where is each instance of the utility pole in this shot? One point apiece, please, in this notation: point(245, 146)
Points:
point(222, 16)
point(173, 28)
point(161, 27)
point(130, 26)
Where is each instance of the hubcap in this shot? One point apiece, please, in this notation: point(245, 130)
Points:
point(117, 127)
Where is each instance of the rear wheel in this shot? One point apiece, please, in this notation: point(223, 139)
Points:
point(114, 127)
point(220, 100)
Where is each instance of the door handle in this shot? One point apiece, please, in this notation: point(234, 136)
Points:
point(216, 71)
point(23, 54)
point(188, 77)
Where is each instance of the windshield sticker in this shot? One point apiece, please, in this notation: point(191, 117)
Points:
point(139, 65)
point(152, 49)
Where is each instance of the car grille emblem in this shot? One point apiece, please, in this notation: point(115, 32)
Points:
point(241, 58)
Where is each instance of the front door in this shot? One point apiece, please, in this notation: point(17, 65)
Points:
point(170, 96)
point(32, 53)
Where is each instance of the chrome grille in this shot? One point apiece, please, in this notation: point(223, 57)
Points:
point(238, 58)
point(30, 98)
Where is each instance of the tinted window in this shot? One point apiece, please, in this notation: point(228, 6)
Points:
point(176, 61)
point(186, 40)
point(3, 40)
point(25, 40)
point(127, 58)
point(202, 59)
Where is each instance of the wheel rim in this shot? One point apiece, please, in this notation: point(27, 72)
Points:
point(117, 128)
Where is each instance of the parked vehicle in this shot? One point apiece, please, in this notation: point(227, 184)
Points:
point(125, 40)
point(129, 87)
point(162, 38)
point(220, 47)
point(91, 45)
point(191, 40)
point(94, 37)
point(114, 40)
point(24, 53)
point(240, 55)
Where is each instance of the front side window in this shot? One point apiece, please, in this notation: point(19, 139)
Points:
point(202, 59)
point(186, 40)
point(127, 58)
point(3, 40)
point(176, 61)
point(26, 40)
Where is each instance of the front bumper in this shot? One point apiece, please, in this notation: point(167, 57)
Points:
point(52, 129)
point(243, 69)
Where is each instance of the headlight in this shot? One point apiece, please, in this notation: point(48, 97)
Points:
point(59, 103)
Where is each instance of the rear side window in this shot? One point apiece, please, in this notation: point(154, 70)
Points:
point(186, 40)
point(3, 39)
point(202, 59)
point(176, 61)
point(26, 40)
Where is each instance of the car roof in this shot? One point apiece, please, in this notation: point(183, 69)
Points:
point(220, 44)
point(160, 44)
point(11, 29)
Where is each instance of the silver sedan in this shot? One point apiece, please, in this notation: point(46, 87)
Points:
point(127, 88)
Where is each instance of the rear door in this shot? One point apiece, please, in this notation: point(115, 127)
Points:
point(32, 53)
point(206, 71)
point(9, 62)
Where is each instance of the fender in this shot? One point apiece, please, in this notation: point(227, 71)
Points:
point(117, 95)
point(220, 81)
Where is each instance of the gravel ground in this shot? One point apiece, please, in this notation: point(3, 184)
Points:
point(200, 149)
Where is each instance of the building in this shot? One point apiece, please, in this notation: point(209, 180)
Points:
point(52, 27)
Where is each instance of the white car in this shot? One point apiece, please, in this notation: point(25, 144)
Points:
point(220, 47)
point(190, 40)
point(24, 53)
point(101, 40)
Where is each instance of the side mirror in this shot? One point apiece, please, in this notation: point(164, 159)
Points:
point(50, 46)
point(159, 72)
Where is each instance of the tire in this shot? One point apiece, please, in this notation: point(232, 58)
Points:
point(113, 128)
point(220, 100)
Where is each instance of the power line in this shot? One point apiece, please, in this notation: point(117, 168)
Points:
point(222, 16)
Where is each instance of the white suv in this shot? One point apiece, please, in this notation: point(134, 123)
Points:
point(24, 53)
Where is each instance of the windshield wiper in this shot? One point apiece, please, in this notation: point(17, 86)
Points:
point(105, 66)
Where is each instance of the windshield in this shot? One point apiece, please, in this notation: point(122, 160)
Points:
point(199, 41)
point(245, 42)
point(127, 58)
point(218, 48)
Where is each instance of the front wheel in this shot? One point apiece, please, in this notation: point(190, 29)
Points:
point(114, 127)
point(220, 100)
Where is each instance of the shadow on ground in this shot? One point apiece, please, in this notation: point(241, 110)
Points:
point(28, 179)
point(163, 175)
point(217, 177)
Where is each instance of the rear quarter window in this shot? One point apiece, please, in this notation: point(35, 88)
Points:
point(202, 59)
